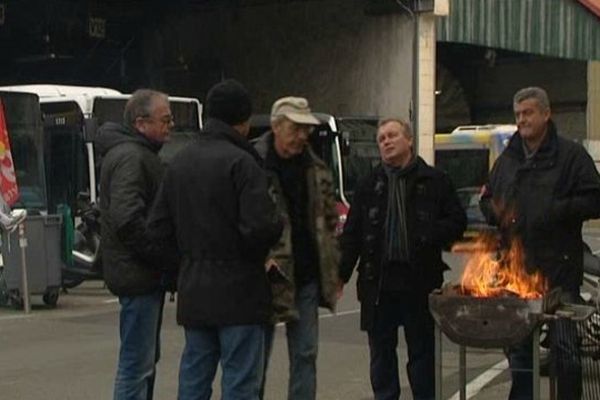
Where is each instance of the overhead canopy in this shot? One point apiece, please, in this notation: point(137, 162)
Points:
point(558, 28)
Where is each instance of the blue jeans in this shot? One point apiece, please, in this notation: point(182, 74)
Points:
point(303, 343)
point(139, 327)
point(411, 311)
point(240, 348)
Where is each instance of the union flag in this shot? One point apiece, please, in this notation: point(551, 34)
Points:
point(8, 179)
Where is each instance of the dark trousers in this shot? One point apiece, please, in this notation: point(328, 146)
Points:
point(409, 310)
point(565, 360)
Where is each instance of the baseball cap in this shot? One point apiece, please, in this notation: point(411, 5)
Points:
point(295, 109)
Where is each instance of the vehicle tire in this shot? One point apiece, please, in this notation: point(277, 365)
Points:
point(16, 300)
point(50, 298)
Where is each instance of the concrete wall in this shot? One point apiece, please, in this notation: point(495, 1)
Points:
point(343, 61)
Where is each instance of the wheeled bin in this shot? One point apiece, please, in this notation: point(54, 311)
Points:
point(43, 258)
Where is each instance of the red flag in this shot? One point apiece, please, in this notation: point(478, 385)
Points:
point(8, 179)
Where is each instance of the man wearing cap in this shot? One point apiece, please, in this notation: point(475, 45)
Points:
point(302, 267)
point(214, 200)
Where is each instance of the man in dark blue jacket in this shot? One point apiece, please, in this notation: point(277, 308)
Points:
point(541, 189)
point(214, 201)
point(403, 213)
point(130, 176)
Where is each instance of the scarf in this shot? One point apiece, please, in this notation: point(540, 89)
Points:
point(396, 230)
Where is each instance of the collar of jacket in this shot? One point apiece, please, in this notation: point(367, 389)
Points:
point(153, 145)
point(420, 168)
point(547, 151)
point(111, 134)
point(219, 130)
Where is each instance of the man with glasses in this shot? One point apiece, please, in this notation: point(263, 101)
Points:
point(133, 270)
point(302, 267)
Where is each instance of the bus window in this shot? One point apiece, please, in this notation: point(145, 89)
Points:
point(24, 124)
point(466, 167)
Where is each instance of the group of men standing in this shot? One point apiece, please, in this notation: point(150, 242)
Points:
point(246, 232)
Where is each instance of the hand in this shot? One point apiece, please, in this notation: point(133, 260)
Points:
point(340, 290)
point(270, 264)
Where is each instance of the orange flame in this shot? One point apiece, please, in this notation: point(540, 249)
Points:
point(491, 273)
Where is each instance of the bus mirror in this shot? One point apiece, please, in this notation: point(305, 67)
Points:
point(90, 126)
point(345, 143)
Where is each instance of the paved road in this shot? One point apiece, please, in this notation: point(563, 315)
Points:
point(70, 352)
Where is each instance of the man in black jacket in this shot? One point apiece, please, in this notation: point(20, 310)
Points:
point(402, 215)
point(130, 176)
point(214, 200)
point(540, 190)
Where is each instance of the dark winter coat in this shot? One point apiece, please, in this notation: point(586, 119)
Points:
point(129, 178)
point(435, 218)
point(323, 217)
point(214, 200)
point(545, 201)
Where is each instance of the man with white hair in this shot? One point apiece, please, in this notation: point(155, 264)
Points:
point(303, 265)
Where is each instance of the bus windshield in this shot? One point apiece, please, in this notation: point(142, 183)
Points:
point(24, 124)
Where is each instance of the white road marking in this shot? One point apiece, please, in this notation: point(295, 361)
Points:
point(19, 316)
point(475, 386)
point(111, 301)
point(337, 314)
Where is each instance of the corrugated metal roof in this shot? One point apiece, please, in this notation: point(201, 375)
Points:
point(593, 5)
point(559, 28)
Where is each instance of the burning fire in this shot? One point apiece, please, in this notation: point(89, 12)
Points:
point(490, 272)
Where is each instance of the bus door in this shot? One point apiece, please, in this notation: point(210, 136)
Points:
point(65, 153)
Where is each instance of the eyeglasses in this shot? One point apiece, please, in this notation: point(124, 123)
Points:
point(165, 119)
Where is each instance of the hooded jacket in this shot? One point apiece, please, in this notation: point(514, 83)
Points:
point(129, 179)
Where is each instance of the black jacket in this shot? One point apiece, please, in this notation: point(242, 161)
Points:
point(129, 178)
point(435, 219)
point(545, 201)
point(214, 200)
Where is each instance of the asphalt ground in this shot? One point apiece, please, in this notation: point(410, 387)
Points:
point(70, 352)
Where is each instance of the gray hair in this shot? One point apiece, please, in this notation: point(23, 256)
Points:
point(405, 125)
point(141, 104)
point(535, 93)
point(278, 119)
